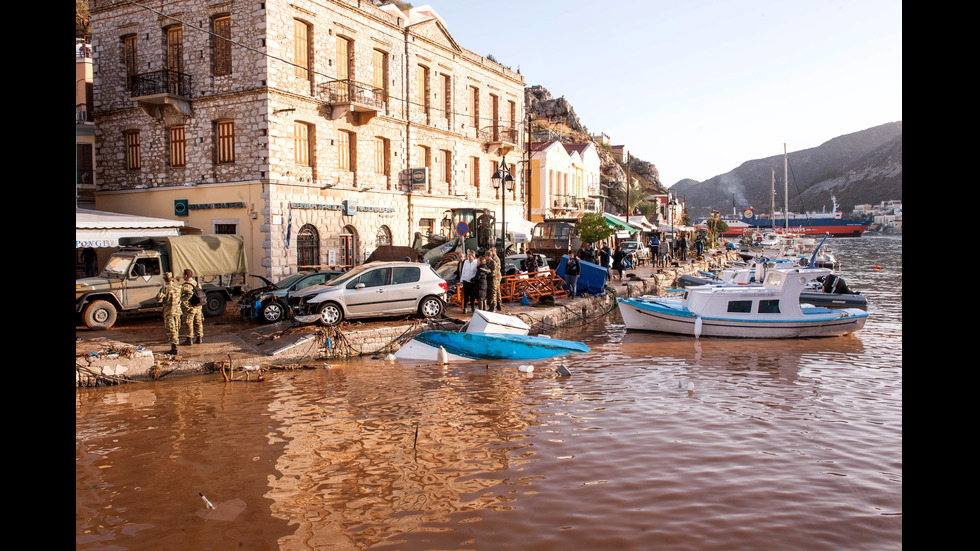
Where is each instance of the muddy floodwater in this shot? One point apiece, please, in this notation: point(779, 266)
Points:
point(653, 442)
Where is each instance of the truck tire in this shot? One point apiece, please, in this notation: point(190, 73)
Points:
point(99, 314)
point(215, 305)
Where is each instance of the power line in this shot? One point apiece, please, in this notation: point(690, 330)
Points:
point(329, 78)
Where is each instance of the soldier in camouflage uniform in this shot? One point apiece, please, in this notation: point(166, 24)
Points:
point(493, 284)
point(193, 315)
point(169, 295)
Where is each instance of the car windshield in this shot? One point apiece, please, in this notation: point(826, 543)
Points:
point(347, 276)
point(117, 265)
point(289, 280)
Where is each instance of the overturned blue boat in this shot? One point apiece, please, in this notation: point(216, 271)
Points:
point(485, 346)
point(488, 336)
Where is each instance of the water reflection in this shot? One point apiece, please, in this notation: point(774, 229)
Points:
point(779, 445)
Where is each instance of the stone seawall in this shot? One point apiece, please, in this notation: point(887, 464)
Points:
point(340, 343)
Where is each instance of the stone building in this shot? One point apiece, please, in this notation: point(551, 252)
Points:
point(316, 129)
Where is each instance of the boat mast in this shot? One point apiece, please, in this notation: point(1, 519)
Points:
point(772, 201)
point(786, 183)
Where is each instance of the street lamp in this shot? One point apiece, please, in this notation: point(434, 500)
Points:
point(671, 204)
point(503, 178)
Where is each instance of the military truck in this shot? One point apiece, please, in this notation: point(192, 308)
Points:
point(133, 276)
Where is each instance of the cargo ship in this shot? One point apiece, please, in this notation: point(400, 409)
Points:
point(810, 223)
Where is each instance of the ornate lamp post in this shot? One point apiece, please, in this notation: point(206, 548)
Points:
point(502, 178)
point(671, 204)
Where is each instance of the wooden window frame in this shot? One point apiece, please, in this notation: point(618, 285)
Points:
point(130, 58)
point(132, 141)
point(224, 139)
point(178, 147)
point(302, 143)
point(381, 156)
point(221, 45)
point(345, 150)
point(302, 49)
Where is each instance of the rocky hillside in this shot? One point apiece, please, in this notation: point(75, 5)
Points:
point(555, 118)
point(858, 168)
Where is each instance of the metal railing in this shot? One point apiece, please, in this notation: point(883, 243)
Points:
point(498, 133)
point(165, 81)
point(349, 91)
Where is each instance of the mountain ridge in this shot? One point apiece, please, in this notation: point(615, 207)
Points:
point(863, 167)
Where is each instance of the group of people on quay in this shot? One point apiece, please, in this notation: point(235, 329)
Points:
point(480, 275)
point(480, 280)
point(182, 308)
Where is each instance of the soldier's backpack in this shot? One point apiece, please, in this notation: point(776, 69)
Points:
point(199, 297)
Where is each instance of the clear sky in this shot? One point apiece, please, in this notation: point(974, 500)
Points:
point(698, 87)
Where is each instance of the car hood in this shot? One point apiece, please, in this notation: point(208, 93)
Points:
point(315, 290)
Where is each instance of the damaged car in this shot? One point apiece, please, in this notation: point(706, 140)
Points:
point(270, 302)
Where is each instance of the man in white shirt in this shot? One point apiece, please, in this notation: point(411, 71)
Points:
point(467, 279)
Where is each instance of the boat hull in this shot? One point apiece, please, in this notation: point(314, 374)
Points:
point(485, 346)
point(670, 316)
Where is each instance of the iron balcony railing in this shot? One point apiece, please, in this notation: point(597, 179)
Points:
point(339, 92)
point(504, 134)
point(165, 81)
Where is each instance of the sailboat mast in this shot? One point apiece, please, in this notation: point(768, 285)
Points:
point(772, 201)
point(786, 183)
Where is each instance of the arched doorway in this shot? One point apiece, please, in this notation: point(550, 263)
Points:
point(348, 246)
point(383, 237)
point(307, 248)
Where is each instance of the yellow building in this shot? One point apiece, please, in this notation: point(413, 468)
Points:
point(564, 180)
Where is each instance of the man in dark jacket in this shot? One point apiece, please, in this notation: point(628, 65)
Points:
point(572, 270)
point(530, 264)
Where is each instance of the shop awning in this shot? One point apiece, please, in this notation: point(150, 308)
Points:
point(97, 229)
point(621, 224)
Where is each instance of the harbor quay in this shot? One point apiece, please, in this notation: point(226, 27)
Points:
point(138, 351)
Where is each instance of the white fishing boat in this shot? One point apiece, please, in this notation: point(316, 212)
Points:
point(770, 310)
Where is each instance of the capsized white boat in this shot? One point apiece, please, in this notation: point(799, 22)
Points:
point(770, 310)
point(488, 336)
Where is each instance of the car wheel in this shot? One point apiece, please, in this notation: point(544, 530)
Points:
point(330, 314)
point(430, 307)
point(100, 314)
point(272, 312)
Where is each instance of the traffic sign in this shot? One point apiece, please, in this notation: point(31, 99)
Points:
point(462, 228)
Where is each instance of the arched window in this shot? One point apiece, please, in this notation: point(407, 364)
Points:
point(307, 247)
point(383, 237)
point(348, 246)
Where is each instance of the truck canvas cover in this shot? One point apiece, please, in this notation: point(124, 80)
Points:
point(207, 255)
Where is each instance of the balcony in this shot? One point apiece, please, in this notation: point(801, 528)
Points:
point(499, 140)
point(154, 91)
point(347, 96)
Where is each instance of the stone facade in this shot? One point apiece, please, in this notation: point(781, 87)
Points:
point(306, 155)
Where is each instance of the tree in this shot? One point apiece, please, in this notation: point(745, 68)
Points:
point(716, 227)
point(592, 227)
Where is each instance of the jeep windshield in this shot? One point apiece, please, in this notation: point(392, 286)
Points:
point(117, 265)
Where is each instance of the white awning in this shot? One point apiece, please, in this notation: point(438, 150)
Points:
point(103, 229)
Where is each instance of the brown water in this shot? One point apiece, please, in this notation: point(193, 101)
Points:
point(780, 445)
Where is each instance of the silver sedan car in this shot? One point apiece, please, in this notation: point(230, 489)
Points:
point(375, 289)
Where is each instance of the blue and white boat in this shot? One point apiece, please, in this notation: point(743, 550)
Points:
point(454, 346)
point(488, 336)
point(770, 310)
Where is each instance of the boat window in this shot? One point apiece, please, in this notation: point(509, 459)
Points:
point(768, 306)
point(740, 306)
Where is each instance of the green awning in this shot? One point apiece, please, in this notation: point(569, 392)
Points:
point(620, 224)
